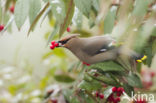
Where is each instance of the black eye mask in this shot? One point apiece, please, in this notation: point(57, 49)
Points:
point(64, 42)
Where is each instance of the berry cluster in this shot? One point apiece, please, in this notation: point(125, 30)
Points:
point(54, 44)
point(140, 101)
point(115, 96)
point(100, 95)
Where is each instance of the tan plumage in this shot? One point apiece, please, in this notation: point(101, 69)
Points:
point(86, 49)
point(93, 49)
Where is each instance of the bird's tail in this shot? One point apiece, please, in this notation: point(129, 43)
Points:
point(140, 58)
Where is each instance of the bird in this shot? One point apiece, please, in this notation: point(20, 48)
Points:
point(95, 49)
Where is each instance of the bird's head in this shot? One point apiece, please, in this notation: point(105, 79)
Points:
point(64, 42)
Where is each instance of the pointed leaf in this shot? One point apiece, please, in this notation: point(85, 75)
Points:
point(35, 6)
point(84, 6)
point(128, 89)
point(96, 4)
point(107, 66)
point(38, 17)
point(134, 80)
point(8, 24)
point(58, 10)
point(69, 14)
point(141, 7)
point(54, 32)
point(47, 12)
point(110, 20)
point(63, 78)
point(21, 12)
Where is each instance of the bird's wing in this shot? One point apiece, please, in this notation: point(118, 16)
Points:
point(97, 44)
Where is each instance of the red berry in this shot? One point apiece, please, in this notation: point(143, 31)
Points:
point(118, 94)
point(97, 93)
point(120, 89)
point(56, 44)
point(114, 89)
point(86, 64)
point(52, 47)
point(1, 27)
point(68, 29)
point(111, 98)
point(53, 42)
point(140, 101)
point(12, 9)
point(152, 74)
point(53, 100)
point(96, 74)
point(117, 99)
point(101, 96)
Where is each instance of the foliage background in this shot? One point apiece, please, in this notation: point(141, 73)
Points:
point(29, 68)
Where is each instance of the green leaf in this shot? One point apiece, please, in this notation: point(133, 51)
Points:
point(47, 12)
point(107, 66)
point(149, 54)
point(38, 17)
point(105, 78)
point(153, 32)
point(96, 4)
point(140, 8)
point(35, 6)
point(128, 89)
point(107, 92)
point(69, 14)
point(46, 1)
point(63, 78)
point(8, 23)
point(110, 20)
point(77, 18)
point(90, 86)
point(84, 6)
point(134, 80)
point(21, 12)
point(68, 94)
point(59, 10)
point(0, 14)
point(154, 47)
point(87, 97)
point(7, 4)
point(53, 33)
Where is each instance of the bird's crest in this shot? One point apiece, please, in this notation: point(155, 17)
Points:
point(69, 37)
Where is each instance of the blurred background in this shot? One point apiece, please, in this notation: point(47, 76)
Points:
point(29, 69)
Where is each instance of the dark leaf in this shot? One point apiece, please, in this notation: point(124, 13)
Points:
point(128, 89)
point(134, 80)
point(107, 66)
point(63, 78)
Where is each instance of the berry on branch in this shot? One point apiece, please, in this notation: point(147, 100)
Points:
point(1, 27)
point(12, 9)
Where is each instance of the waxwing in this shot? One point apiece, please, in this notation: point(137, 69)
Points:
point(95, 49)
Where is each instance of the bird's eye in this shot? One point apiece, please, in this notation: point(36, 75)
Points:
point(64, 42)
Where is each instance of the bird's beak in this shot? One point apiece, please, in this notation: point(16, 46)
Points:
point(60, 44)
